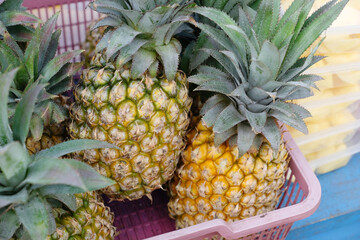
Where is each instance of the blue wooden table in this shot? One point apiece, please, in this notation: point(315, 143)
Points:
point(338, 216)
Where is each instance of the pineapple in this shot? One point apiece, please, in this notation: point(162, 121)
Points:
point(235, 163)
point(36, 191)
point(91, 220)
point(37, 63)
point(134, 96)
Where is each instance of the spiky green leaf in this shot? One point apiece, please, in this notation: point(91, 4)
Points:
point(10, 5)
point(68, 200)
point(17, 17)
point(141, 61)
point(14, 161)
point(227, 119)
point(211, 102)
point(59, 189)
point(272, 133)
point(56, 64)
point(20, 197)
point(260, 73)
point(9, 223)
point(241, 94)
point(257, 120)
point(213, 85)
point(53, 171)
point(302, 112)
point(270, 56)
point(236, 34)
point(245, 138)
point(286, 30)
point(103, 43)
point(34, 217)
point(227, 63)
point(240, 68)
point(129, 50)
point(6, 80)
point(302, 18)
point(198, 56)
point(121, 37)
point(8, 59)
point(220, 138)
point(67, 71)
point(210, 116)
point(263, 20)
point(23, 113)
point(296, 122)
point(202, 78)
point(45, 39)
point(169, 55)
point(311, 32)
point(71, 146)
point(36, 127)
point(212, 71)
point(104, 22)
point(8, 39)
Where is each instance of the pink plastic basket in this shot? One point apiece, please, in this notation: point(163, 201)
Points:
point(142, 219)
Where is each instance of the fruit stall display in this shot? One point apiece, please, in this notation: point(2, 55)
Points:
point(192, 97)
point(334, 129)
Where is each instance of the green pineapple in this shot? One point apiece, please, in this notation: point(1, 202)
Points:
point(134, 96)
point(36, 191)
point(37, 63)
point(234, 166)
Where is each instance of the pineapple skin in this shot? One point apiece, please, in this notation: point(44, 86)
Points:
point(52, 135)
point(91, 220)
point(214, 183)
point(146, 118)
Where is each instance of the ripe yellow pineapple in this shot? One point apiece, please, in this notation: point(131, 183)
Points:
point(235, 163)
point(218, 183)
point(133, 96)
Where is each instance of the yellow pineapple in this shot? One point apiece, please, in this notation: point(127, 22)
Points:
point(235, 163)
point(216, 182)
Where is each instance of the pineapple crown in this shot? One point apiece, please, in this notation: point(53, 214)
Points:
point(142, 32)
point(16, 21)
point(37, 63)
point(198, 40)
point(226, 5)
point(258, 70)
point(30, 186)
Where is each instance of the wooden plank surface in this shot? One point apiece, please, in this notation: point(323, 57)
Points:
point(345, 227)
point(339, 210)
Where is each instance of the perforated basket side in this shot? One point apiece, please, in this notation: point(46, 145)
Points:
point(140, 219)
